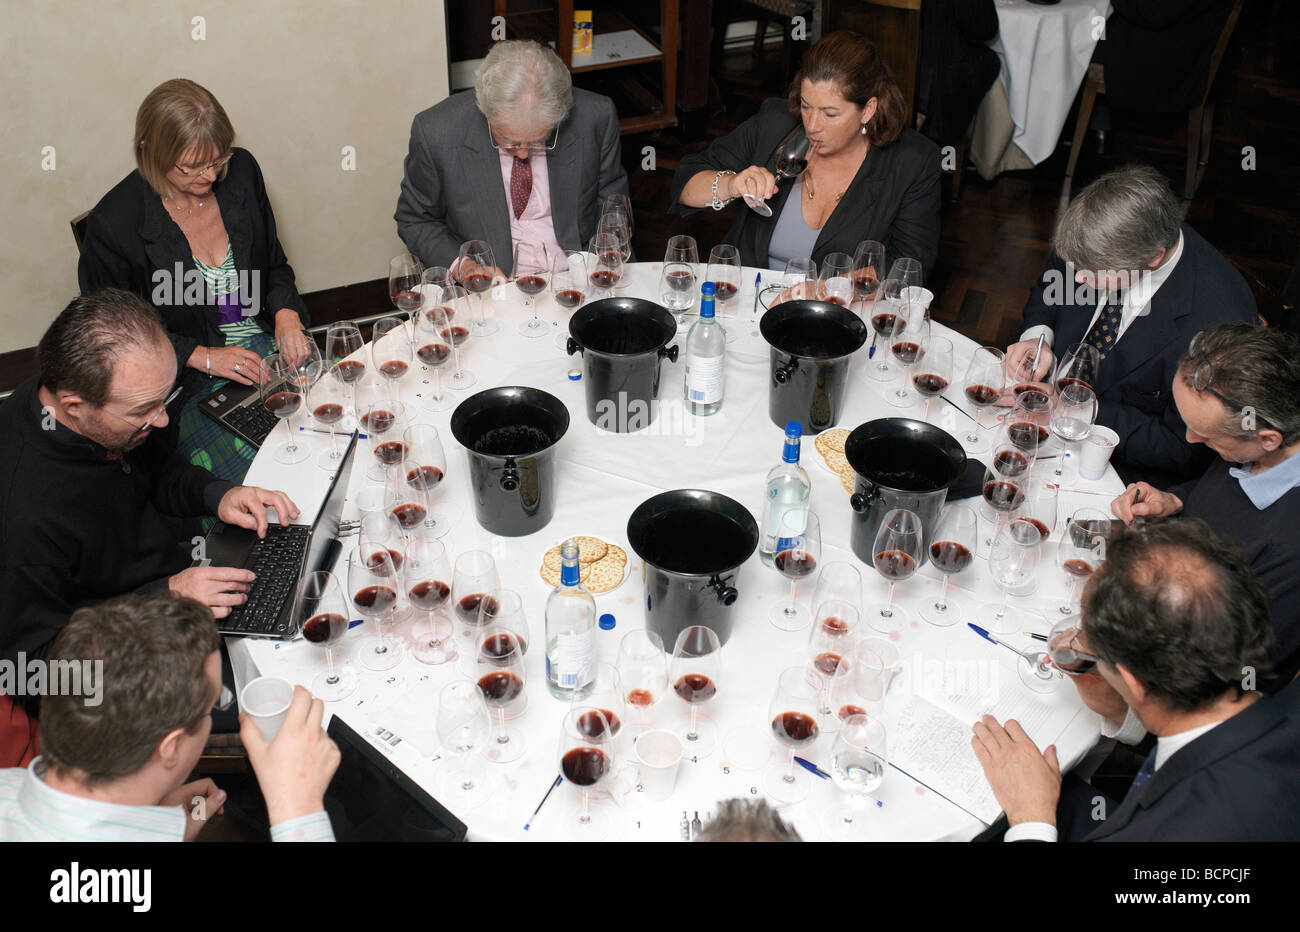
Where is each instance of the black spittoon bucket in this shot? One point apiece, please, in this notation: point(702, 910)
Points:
point(510, 435)
point(812, 342)
point(621, 341)
point(691, 544)
point(900, 463)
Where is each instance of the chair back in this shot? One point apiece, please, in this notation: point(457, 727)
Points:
point(1220, 47)
point(894, 28)
point(79, 224)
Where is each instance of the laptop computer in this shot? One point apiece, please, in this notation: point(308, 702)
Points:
point(280, 559)
point(371, 799)
point(239, 409)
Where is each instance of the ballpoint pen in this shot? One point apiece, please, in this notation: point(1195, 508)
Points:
point(758, 281)
point(989, 637)
point(559, 778)
point(811, 767)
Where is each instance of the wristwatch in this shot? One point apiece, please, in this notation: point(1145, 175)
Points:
point(717, 203)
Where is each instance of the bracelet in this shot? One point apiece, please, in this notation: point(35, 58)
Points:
point(716, 203)
point(208, 351)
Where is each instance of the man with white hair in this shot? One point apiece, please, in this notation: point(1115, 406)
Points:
point(525, 158)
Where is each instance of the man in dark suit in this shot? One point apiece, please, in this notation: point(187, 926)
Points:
point(525, 157)
point(1127, 277)
point(1179, 631)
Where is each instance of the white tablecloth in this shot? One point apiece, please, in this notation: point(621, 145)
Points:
point(601, 479)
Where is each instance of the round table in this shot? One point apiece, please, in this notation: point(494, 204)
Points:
point(601, 478)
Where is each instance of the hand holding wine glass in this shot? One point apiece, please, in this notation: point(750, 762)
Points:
point(789, 160)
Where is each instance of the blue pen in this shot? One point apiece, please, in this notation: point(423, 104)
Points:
point(558, 780)
point(758, 280)
point(812, 768)
point(320, 430)
point(988, 637)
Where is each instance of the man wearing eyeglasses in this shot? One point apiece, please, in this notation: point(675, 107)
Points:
point(1238, 390)
point(525, 158)
point(88, 489)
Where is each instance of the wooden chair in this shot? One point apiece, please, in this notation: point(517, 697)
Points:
point(1200, 119)
point(79, 224)
point(779, 13)
point(893, 26)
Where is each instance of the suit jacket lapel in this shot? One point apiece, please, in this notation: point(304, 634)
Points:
point(482, 172)
point(563, 171)
point(1145, 338)
point(861, 192)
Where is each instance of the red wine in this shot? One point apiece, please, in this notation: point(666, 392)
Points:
point(884, 323)
point(1032, 397)
point(680, 280)
point(1023, 434)
point(794, 729)
point(640, 697)
point(455, 334)
point(390, 452)
point(328, 413)
point(584, 766)
point(982, 394)
point(569, 297)
point(349, 370)
point(929, 384)
point(477, 282)
point(283, 404)
point(409, 515)
point(895, 564)
point(1070, 380)
point(375, 563)
point(604, 278)
point(589, 723)
point(1042, 528)
point(375, 598)
point(948, 556)
point(1004, 496)
point(432, 316)
point(394, 368)
point(795, 564)
point(865, 282)
point(695, 687)
point(827, 663)
point(424, 477)
point(791, 165)
point(433, 355)
point(1010, 462)
point(725, 291)
point(407, 300)
point(378, 420)
point(530, 284)
point(1077, 568)
point(835, 627)
point(429, 594)
point(500, 687)
point(836, 299)
point(906, 352)
point(497, 647)
point(317, 628)
point(850, 709)
point(467, 607)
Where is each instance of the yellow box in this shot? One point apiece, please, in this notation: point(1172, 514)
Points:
point(583, 32)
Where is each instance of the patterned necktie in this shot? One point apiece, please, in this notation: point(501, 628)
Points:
point(1105, 329)
point(521, 185)
point(1143, 775)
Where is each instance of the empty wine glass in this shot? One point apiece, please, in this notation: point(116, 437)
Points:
point(282, 395)
point(837, 580)
point(1073, 413)
point(694, 672)
point(882, 314)
point(933, 369)
point(428, 587)
point(475, 576)
point(1013, 562)
point(798, 548)
point(404, 277)
point(835, 281)
point(909, 272)
point(789, 160)
point(896, 555)
point(328, 399)
point(586, 756)
point(607, 268)
point(1081, 550)
point(374, 579)
point(868, 271)
point(799, 271)
point(983, 384)
point(501, 678)
point(343, 343)
point(462, 724)
point(475, 269)
point(643, 672)
point(321, 612)
point(952, 549)
point(858, 765)
point(793, 714)
point(532, 266)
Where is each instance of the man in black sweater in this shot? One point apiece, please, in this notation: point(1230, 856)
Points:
point(84, 486)
point(1238, 390)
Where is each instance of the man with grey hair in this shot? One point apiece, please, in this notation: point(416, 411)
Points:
point(526, 157)
point(1127, 277)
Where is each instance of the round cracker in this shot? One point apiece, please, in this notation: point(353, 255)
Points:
point(849, 479)
point(832, 439)
point(590, 549)
point(606, 574)
point(551, 575)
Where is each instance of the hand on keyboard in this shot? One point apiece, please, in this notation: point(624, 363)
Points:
point(218, 587)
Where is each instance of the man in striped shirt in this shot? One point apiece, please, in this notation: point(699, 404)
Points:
point(116, 755)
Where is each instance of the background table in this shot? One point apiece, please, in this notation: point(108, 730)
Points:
point(601, 477)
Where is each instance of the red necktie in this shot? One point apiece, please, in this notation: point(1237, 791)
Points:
point(521, 185)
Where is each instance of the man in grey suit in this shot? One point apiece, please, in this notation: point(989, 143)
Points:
point(525, 157)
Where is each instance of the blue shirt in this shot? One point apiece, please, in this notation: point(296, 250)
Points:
point(1265, 488)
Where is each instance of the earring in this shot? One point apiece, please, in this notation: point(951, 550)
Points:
point(864, 129)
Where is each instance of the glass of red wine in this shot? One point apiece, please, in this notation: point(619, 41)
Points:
point(835, 280)
point(1007, 478)
point(569, 284)
point(500, 676)
point(322, 615)
point(837, 580)
point(432, 348)
point(384, 423)
point(408, 504)
point(694, 673)
point(606, 268)
point(1013, 562)
point(882, 315)
point(404, 278)
point(983, 384)
point(425, 466)
point(1068, 654)
point(1039, 505)
point(1073, 413)
point(375, 580)
point(607, 696)
point(390, 348)
point(868, 271)
point(724, 271)
point(832, 637)
point(1027, 424)
point(908, 271)
point(282, 395)
point(476, 270)
point(328, 400)
point(586, 756)
point(793, 714)
point(933, 371)
point(462, 723)
point(896, 555)
point(532, 269)
point(952, 550)
point(454, 299)
point(789, 160)
point(474, 579)
point(907, 345)
point(501, 613)
point(1022, 375)
point(643, 673)
point(428, 587)
point(1078, 366)
point(343, 344)
point(1081, 550)
point(798, 548)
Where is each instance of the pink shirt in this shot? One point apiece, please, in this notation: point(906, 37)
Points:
point(535, 225)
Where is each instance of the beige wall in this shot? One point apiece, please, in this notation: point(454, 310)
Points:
point(300, 79)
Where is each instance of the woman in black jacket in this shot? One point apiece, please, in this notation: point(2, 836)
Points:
point(868, 176)
point(191, 230)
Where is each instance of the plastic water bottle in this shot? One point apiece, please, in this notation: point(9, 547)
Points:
point(787, 487)
point(706, 345)
point(570, 631)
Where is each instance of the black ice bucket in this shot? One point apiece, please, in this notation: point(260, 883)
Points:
point(621, 341)
point(900, 463)
point(691, 544)
point(812, 342)
point(510, 435)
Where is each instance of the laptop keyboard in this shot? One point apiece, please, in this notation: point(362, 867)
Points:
point(253, 421)
point(277, 561)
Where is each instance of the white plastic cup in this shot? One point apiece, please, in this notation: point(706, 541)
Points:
point(1096, 450)
point(658, 754)
point(915, 294)
point(267, 700)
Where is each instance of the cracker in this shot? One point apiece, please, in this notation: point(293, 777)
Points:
point(831, 440)
point(849, 479)
point(551, 575)
point(606, 574)
point(590, 549)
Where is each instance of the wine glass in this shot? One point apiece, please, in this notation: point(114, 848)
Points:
point(500, 676)
point(1027, 423)
point(834, 625)
point(328, 400)
point(1039, 505)
point(798, 548)
point(1078, 366)
point(407, 502)
point(882, 314)
point(606, 695)
point(390, 348)
point(432, 280)
point(607, 268)
point(374, 579)
point(694, 673)
point(425, 467)
point(384, 422)
point(462, 724)
point(933, 370)
point(503, 611)
point(724, 271)
point(1021, 375)
point(983, 384)
point(952, 549)
point(616, 218)
point(569, 284)
point(428, 587)
point(1003, 494)
point(896, 555)
point(789, 160)
point(532, 266)
point(404, 277)
point(793, 714)
point(858, 762)
point(1066, 653)
point(677, 286)
point(682, 248)
point(1081, 550)
point(868, 269)
point(618, 203)
point(475, 576)
point(908, 271)
point(282, 396)
point(343, 342)
point(586, 756)
point(863, 683)
point(475, 268)
point(454, 334)
point(322, 613)
point(907, 342)
point(432, 348)
point(643, 672)
point(835, 281)
point(1073, 413)
point(1013, 562)
point(838, 580)
point(799, 271)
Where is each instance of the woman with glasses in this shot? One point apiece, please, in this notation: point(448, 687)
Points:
point(192, 231)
